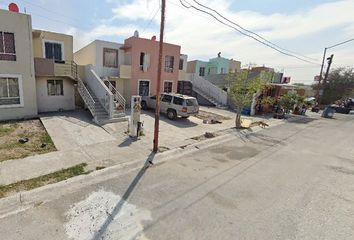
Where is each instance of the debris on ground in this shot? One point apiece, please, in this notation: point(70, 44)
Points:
point(23, 140)
point(209, 135)
point(211, 118)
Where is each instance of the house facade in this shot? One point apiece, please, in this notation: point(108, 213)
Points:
point(144, 64)
point(218, 65)
point(55, 71)
point(17, 77)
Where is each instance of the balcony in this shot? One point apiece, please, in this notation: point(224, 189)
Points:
point(49, 67)
point(125, 71)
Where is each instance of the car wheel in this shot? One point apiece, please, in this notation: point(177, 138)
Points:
point(144, 105)
point(171, 114)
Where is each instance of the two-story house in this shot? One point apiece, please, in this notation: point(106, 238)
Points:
point(55, 71)
point(17, 78)
point(144, 64)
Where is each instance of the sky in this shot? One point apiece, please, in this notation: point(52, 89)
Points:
point(302, 26)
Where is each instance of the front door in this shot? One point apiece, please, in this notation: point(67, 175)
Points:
point(144, 88)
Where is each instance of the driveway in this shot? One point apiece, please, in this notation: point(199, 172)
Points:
point(70, 130)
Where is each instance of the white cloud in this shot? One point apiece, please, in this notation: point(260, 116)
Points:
point(202, 37)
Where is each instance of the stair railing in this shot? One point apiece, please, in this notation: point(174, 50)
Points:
point(86, 96)
point(118, 98)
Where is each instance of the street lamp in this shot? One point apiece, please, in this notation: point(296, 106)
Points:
point(323, 60)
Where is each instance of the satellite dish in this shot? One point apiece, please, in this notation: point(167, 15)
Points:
point(13, 7)
point(136, 33)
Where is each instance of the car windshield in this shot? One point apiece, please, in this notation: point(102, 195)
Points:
point(191, 102)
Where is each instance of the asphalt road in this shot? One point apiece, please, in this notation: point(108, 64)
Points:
point(293, 181)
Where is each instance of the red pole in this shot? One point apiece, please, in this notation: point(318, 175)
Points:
point(158, 84)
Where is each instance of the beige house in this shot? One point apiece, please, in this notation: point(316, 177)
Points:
point(17, 78)
point(55, 71)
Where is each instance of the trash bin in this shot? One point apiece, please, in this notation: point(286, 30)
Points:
point(328, 112)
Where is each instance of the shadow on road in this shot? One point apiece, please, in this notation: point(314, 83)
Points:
point(101, 232)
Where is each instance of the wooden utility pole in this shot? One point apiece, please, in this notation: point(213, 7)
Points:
point(158, 84)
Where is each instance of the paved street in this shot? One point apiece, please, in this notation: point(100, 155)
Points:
point(293, 181)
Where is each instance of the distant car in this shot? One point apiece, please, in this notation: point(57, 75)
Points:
point(173, 105)
point(341, 109)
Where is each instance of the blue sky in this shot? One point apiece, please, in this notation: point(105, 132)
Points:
point(304, 26)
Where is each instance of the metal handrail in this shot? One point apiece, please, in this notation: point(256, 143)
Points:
point(117, 96)
point(86, 96)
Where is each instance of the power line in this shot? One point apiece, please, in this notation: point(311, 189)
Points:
point(251, 32)
point(248, 35)
point(49, 10)
point(152, 18)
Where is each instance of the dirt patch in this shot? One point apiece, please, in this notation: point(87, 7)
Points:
point(10, 132)
point(211, 118)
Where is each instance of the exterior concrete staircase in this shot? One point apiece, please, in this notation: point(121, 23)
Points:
point(209, 91)
point(104, 106)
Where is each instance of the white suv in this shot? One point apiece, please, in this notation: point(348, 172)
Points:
point(173, 105)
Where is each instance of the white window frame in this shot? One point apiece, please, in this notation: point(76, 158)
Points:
point(145, 80)
point(20, 86)
point(163, 86)
point(53, 41)
point(3, 44)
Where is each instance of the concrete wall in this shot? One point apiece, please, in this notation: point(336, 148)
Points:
point(191, 66)
point(40, 36)
point(20, 25)
point(138, 45)
point(220, 63)
point(93, 54)
point(86, 55)
point(55, 103)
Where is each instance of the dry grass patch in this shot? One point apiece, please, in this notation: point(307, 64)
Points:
point(50, 178)
point(39, 140)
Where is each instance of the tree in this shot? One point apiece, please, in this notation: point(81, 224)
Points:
point(243, 90)
point(339, 85)
point(290, 100)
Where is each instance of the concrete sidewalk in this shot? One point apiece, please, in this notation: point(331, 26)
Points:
point(80, 141)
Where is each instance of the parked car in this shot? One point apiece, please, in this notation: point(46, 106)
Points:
point(173, 105)
point(341, 109)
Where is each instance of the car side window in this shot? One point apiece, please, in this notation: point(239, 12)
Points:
point(166, 98)
point(153, 97)
point(178, 101)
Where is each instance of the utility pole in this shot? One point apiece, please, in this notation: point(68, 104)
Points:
point(158, 84)
point(330, 59)
point(322, 66)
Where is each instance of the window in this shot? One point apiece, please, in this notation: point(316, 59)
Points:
point(169, 61)
point(7, 46)
point(181, 62)
point(110, 57)
point(167, 98)
point(144, 88)
point(53, 50)
point(202, 71)
point(191, 102)
point(167, 86)
point(144, 63)
point(9, 91)
point(222, 71)
point(55, 87)
point(178, 101)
